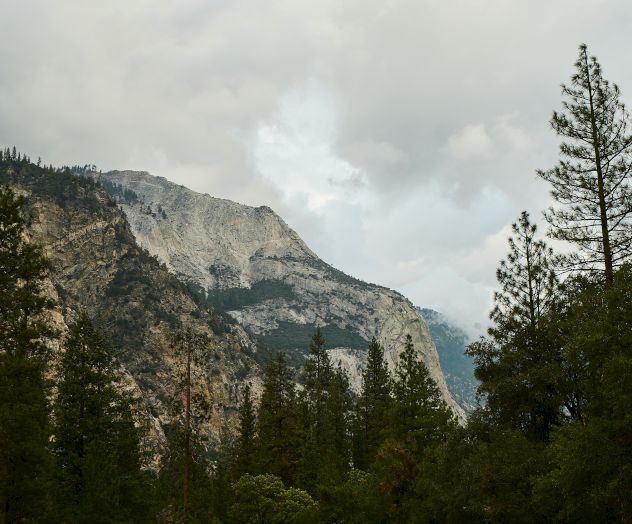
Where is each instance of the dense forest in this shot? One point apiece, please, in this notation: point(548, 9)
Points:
point(550, 440)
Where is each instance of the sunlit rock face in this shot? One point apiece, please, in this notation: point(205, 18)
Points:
point(249, 263)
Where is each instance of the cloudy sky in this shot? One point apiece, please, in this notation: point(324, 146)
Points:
point(400, 138)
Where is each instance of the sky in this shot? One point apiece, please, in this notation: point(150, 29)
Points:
point(400, 139)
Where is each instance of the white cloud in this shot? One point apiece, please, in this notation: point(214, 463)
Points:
point(470, 141)
point(398, 138)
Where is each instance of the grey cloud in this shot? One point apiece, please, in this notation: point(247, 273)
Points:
point(440, 113)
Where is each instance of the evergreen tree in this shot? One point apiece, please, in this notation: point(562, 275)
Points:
point(98, 459)
point(184, 481)
point(591, 478)
point(325, 402)
point(246, 440)
point(418, 414)
point(592, 181)
point(520, 365)
point(24, 337)
point(279, 431)
point(372, 408)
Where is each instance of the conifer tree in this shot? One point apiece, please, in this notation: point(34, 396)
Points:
point(24, 336)
point(184, 480)
point(279, 429)
point(246, 443)
point(520, 364)
point(592, 182)
point(97, 446)
point(372, 408)
point(418, 414)
point(326, 404)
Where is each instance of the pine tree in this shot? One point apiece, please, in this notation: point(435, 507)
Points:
point(184, 478)
point(592, 181)
point(326, 404)
point(372, 408)
point(279, 430)
point(24, 337)
point(418, 414)
point(97, 445)
point(246, 440)
point(528, 285)
point(520, 364)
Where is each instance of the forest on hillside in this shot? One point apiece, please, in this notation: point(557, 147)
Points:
point(550, 439)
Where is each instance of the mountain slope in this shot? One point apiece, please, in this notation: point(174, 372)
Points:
point(458, 368)
point(248, 262)
point(97, 266)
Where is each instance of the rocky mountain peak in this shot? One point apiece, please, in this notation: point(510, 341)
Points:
point(248, 262)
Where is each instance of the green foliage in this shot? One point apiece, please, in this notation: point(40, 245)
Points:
point(591, 475)
point(119, 193)
point(520, 364)
point(98, 462)
point(326, 404)
point(264, 499)
point(592, 182)
point(171, 479)
point(245, 454)
point(372, 409)
point(418, 415)
point(279, 431)
point(184, 477)
point(290, 337)
point(24, 338)
point(239, 297)
point(353, 501)
point(59, 185)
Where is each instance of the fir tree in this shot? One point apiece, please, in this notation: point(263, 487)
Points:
point(246, 440)
point(24, 335)
point(372, 408)
point(96, 443)
point(279, 430)
point(592, 181)
point(326, 403)
point(418, 414)
point(520, 364)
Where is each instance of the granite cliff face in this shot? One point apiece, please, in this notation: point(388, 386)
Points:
point(249, 263)
point(97, 266)
point(457, 367)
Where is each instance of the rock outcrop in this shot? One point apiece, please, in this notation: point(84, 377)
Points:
point(97, 266)
point(457, 367)
point(249, 263)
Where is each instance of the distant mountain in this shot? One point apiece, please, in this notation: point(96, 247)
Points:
point(97, 266)
point(248, 262)
point(458, 368)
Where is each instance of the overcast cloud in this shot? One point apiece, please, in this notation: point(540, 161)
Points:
point(400, 139)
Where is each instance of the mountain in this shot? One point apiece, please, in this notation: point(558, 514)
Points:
point(97, 266)
point(457, 367)
point(246, 261)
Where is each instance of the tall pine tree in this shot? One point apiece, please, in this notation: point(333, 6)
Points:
point(24, 334)
point(520, 364)
point(326, 403)
point(184, 481)
point(279, 430)
point(418, 414)
point(372, 408)
point(245, 452)
point(593, 180)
